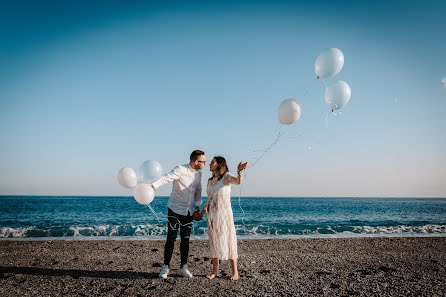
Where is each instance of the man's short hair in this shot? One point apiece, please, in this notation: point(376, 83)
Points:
point(195, 154)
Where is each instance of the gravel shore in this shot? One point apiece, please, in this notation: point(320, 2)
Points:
point(413, 266)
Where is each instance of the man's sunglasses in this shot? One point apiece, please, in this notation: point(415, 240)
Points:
point(204, 162)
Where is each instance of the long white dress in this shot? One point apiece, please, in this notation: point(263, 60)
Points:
point(220, 220)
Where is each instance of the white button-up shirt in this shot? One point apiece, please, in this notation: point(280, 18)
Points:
point(186, 189)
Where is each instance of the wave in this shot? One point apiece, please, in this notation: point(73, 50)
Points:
point(307, 230)
point(154, 230)
point(83, 231)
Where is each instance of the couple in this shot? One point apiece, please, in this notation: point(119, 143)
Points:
point(186, 195)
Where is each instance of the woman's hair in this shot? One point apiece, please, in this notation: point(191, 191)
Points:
point(221, 168)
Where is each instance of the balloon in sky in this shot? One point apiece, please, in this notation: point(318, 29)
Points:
point(337, 94)
point(127, 177)
point(329, 62)
point(149, 171)
point(143, 194)
point(289, 111)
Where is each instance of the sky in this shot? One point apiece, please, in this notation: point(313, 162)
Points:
point(88, 87)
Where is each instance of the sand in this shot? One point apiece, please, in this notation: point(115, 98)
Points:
point(268, 267)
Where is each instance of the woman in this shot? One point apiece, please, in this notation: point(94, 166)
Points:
point(220, 221)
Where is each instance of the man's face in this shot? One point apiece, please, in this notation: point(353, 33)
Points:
point(201, 162)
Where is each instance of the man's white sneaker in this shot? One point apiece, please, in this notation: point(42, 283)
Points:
point(164, 271)
point(185, 272)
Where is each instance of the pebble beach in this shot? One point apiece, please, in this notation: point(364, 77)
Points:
point(410, 266)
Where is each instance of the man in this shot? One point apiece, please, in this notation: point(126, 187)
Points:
point(185, 196)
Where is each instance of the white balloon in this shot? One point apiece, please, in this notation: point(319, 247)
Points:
point(329, 62)
point(337, 94)
point(143, 194)
point(127, 177)
point(149, 171)
point(289, 111)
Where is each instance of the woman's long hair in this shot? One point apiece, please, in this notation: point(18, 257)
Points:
point(222, 168)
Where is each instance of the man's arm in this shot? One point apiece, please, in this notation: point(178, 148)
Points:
point(198, 196)
point(172, 175)
point(204, 210)
point(197, 201)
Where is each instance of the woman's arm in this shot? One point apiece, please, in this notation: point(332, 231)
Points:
point(231, 180)
point(203, 211)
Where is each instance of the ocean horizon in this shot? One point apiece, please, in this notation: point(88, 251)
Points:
point(28, 217)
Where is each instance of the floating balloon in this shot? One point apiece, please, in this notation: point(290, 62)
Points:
point(149, 171)
point(329, 63)
point(289, 111)
point(127, 177)
point(337, 94)
point(143, 194)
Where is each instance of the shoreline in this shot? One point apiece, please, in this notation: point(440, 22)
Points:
point(396, 266)
point(239, 237)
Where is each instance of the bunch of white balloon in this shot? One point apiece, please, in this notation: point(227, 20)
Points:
point(337, 94)
point(328, 64)
point(149, 171)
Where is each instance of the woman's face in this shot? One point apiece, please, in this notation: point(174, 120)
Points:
point(212, 165)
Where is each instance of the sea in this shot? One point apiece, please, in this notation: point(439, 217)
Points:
point(122, 218)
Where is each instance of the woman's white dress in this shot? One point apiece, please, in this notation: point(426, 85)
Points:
point(220, 220)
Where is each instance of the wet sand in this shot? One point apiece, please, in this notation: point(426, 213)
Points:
point(268, 267)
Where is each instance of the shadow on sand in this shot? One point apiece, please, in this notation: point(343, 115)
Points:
point(77, 273)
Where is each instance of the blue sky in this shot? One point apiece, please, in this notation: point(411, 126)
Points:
point(88, 87)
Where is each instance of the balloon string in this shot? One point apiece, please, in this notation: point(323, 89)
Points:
point(176, 225)
point(326, 119)
point(309, 88)
point(154, 213)
point(323, 80)
point(280, 133)
point(239, 197)
point(329, 112)
point(333, 112)
point(269, 147)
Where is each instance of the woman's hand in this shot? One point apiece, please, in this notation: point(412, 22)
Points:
point(196, 215)
point(201, 214)
point(241, 166)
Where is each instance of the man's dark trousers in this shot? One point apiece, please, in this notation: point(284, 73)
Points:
point(175, 222)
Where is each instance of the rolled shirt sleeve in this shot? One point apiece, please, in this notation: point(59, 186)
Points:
point(167, 178)
point(186, 188)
